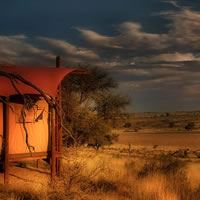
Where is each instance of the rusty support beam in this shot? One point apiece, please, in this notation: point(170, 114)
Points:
point(6, 141)
point(28, 156)
point(53, 144)
point(58, 122)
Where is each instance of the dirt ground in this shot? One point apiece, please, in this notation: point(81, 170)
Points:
point(29, 177)
point(167, 139)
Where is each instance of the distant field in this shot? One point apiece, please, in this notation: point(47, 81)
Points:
point(161, 129)
point(179, 139)
point(172, 120)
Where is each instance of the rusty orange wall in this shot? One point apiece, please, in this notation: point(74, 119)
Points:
point(37, 131)
point(1, 125)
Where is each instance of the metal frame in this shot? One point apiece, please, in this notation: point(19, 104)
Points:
point(55, 138)
point(53, 154)
point(58, 125)
point(53, 143)
point(6, 141)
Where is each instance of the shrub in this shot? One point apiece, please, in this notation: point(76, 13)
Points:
point(19, 194)
point(100, 185)
point(72, 174)
point(127, 125)
point(189, 126)
point(105, 185)
point(163, 164)
point(88, 128)
point(171, 124)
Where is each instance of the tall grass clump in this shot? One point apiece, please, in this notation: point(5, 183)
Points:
point(12, 193)
point(165, 164)
point(102, 177)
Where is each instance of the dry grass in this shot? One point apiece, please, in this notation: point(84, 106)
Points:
point(15, 193)
point(97, 175)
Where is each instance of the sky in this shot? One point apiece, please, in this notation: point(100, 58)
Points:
point(151, 47)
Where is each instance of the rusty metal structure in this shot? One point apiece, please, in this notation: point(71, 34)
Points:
point(50, 85)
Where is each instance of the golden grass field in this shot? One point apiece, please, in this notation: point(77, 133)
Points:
point(139, 166)
point(154, 162)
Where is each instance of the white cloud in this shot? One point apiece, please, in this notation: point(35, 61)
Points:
point(69, 49)
point(183, 31)
point(97, 39)
point(131, 37)
point(172, 57)
point(18, 49)
point(173, 2)
point(185, 28)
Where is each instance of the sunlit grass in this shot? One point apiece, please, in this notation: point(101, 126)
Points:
point(88, 174)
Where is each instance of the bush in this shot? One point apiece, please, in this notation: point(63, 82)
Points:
point(171, 124)
point(127, 125)
point(19, 194)
point(164, 164)
point(88, 128)
point(105, 186)
point(189, 126)
point(100, 185)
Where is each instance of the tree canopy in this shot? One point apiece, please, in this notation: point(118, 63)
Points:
point(89, 105)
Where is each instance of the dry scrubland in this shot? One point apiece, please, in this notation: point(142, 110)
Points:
point(155, 159)
point(112, 173)
point(172, 121)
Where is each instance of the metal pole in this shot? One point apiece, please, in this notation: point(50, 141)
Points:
point(57, 61)
point(6, 141)
point(53, 144)
point(58, 123)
